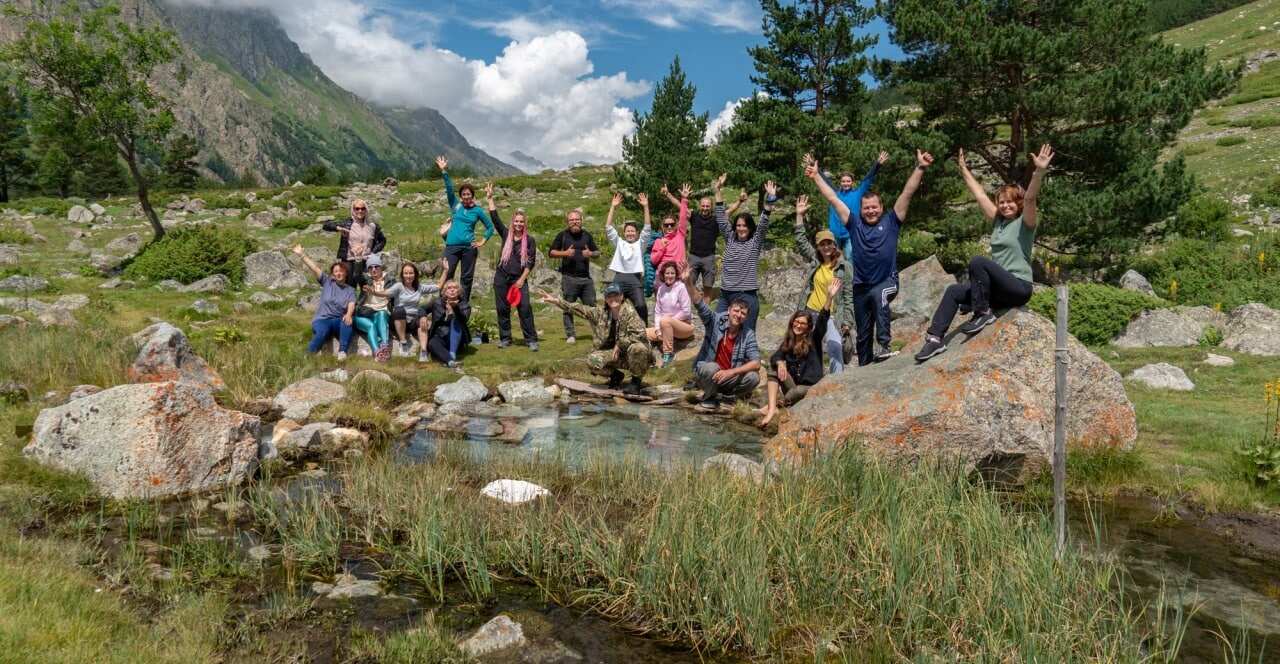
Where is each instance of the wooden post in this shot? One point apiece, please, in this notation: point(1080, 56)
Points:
point(1060, 425)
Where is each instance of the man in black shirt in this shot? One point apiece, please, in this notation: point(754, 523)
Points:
point(575, 248)
point(703, 233)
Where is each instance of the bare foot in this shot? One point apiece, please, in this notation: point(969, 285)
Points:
point(768, 417)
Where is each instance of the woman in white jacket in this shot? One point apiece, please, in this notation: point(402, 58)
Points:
point(629, 254)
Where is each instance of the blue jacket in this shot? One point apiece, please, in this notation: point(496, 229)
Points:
point(853, 200)
point(462, 230)
point(714, 325)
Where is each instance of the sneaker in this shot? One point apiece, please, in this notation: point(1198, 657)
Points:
point(404, 348)
point(533, 346)
point(571, 340)
point(884, 352)
point(667, 359)
point(454, 364)
point(615, 379)
point(690, 386)
point(342, 356)
point(384, 352)
point(979, 321)
point(708, 406)
point(503, 343)
point(424, 356)
point(932, 346)
point(635, 387)
point(364, 352)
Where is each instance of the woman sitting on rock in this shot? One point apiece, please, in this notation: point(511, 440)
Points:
point(829, 265)
point(337, 306)
point(797, 364)
point(628, 262)
point(373, 311)
point(408, 314)
point(449, 333)
point(672, 311)
point(1004, 280)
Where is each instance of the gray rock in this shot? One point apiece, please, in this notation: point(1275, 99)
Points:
point(1162, 328)
point(1215, 360)
point(169, 285)
point(514, 492)
point(194, 205)
point(920, 289)
point(787, 275)
point(301, 443)
point(7, 321)
point(78, 247)
point(373, 376)
point(81, 391)
point(338, 375)
point(79, 214)
point(9, 255)
point(125, 246)
point(205, 307)
point(338, 440)
point(530, 392)
point(148, 440)
point(297, 400)
point(1132, 280)
point(250, 197)
point(1254, 329)
point(347, 587)
point(466, 390)
point(986, 403)
point(270, 269)
point(116, 282)
point(24, 284)
point(500, 633)
point(71, 302)
point(1162, 376)
point(261, 220)
point(214, 283)
point(263, 297)
point(103, 262)
point(164, 354)
point(13, 393)
point(735, 464)
point(97, 209)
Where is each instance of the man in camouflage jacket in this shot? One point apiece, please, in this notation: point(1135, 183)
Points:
point(617, 337)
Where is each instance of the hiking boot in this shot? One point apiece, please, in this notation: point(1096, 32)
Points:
point(932, 346)
point(533, 346)
point(424, 356)
point(571, 340)
point(884, 352)
point(635, 387)
point(708, 406)
point(404, 348)
point(615, 379)
point(979, 321)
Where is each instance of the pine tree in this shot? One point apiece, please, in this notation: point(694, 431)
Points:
point(179, 164)
point(14, 142)
point(999, 78)
point(667, 147)
point(56, 172)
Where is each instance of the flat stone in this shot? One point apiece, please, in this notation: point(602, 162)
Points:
point(24, 284)
point(297, 400)
point(500, 633)
point(1215, 360)
point(1162, 376)
point(466, 390)
point(169, 285)
point(263, 297)
point(530, 392)
point(347, 587)
point(514, 492)
point(735, 464)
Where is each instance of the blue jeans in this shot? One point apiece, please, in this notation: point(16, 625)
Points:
point(871, 315)
point(375, 329)
point(323, 328)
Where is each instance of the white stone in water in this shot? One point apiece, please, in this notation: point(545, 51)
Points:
point(1215, 360)
point(346, 586)
point(514, 492)
point(498, 634)
point(1163, 376)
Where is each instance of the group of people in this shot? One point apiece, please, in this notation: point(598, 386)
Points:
point(843, 314)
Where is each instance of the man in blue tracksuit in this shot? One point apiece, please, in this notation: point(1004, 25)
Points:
point(852, 199)
point(460, 243)
point(874, 240)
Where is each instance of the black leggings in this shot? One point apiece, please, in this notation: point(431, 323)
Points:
point(989, 286)
point(502, 282)
point(465, 254)
point(632, 286)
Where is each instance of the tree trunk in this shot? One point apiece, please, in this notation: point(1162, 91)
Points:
point(131, 158)
point(4, 184)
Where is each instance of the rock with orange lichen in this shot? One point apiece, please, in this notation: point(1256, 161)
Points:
point(986, 403)
point(164, 354)
point(148, 440)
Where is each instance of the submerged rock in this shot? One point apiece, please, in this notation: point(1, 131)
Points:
point(514, 492)
point(165, 354)
point(346, 586)
point(468, 389)
point(1254, 329)
point(986, 402)
point(498, 634)
point(148, 440)
point(297, 400)
point(1162, 376)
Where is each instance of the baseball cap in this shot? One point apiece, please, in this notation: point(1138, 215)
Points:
point(824, 235)
point(612, 289)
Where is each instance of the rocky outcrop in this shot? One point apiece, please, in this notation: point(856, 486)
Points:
point(165, 354)
point(786, 280)
point(986, 403)
point(1254, 329)
point(1162, 376)
point(125, 246)
point(297, 400)
point(148, 440)
point(270, 269)
point(23, 284)
point(1134, 281)
point(920, 289)
point(79, 214)
point(1169, 328)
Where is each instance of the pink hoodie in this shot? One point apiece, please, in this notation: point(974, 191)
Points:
point(671, 248)
point(672, 301)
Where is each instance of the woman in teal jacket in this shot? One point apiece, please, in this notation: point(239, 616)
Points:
point(460, 243)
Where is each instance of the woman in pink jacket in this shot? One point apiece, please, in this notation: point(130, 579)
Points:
point(670, 247)
point(672, 310)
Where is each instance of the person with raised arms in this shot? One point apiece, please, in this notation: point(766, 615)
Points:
point(575, 248)
point(358, 239)
point(670, 245)
point(852, 198)
point(628, 253)
point(461, 244)
point(732, 364)
point(617, 338)
point(409, 308)
point(373, 309)
point(797, 364)
point(672, 316)
point(449, 331)
point(829, 266)
point(511, 276)
point(744, 239)
point(703, 233)
point(875, 257)
point(336, 310)
point(1004, 280)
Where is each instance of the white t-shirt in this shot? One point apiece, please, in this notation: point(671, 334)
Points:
point(628, 257)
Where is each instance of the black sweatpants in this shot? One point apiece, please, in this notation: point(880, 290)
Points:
point(990, 287)
point(871, 317)
point(466, 254)
point(501, 283)
point(576, 289)
point(355, 270)
point(632, 286)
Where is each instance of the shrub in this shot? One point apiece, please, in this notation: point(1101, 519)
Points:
point(1262, 457)
point(1194, 149)
point(1098, 312)
point(54, 207)
point(291, 223)
point(1228, 141)
point(1211, 336)
point(1269, 193)
point(915, 246)
point(1212, 273)
point(1204, 218)
point(13, 236)
point(193, 253)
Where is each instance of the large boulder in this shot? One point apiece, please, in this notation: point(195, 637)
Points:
point(165, 354)
point(501, 633)
point(986, 403)
point(79, 214)
point(214, 283)
point(1162, 328)
point(148, 440)
point(530, 392)
point(1134, 281)
point(785, 279)
point(467, 389)
point(270, 269)
point(920, 288)
point(1162, 376)
point(1254, 329)
point(127, 245)
point(297, 400)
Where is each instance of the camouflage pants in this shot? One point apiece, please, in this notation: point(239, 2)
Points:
point(635, 361)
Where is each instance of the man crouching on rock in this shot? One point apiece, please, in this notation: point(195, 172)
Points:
point(617, 334)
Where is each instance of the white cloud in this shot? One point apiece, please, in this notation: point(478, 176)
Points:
point(722, 121)
point(539, 96)
point(740, 15)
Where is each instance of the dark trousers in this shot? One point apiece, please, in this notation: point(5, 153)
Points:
point(355, 269)
point(466, 254)
point(501, 283)
point(576, 289)
point(753, 304)
point(990, 286)
point(871, 317)
point(632, 286)
point(323, 328)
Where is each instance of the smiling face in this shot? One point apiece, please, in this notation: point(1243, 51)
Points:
point(467, 195)
point(1007, 206)
point(359, 210)
point(799, 324)
point(452, 291)
point(338, 271)
point(670, 275)
point(704, 206)
point(630, 233)
point(668, 226)
point(518, 224)
point(846, 182)
point(872, 208)
point(408, 273)
point(827, 249)
point(741, 229)
point(737, 313)
point(574, 221)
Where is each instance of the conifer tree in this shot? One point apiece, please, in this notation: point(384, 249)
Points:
point(667, 147)
point(14, 142)
point(180, 163)
point(55, 173)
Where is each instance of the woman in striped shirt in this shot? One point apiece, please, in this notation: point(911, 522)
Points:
point(744, 238)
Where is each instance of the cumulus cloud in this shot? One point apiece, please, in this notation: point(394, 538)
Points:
point(739, 15)
point(539, 96)
point(725, 118)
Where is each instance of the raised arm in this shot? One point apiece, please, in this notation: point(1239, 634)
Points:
point(443, 164)
point(923, 161)
point(742, 199)
point(1030, 211)
point(682, 224)
point(609, 231)
point(762, 224)
point(667, 192)
point(814, 173)
point(803, 245)
point(498, 226)
point(643, 199)
point(975, 188)
point(870, 178)
point(306, 260)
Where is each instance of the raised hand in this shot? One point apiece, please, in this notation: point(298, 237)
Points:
point(884, 157)
point(1042, 159)
point(297, 249)
point(809, 160)
point(442, 163)
point(664, 191)
point(718, 183)
point(685, 190)
point(923, 159)
point(617, 199)
point(488, 190)
point(802, 205)
point(810, 167)
point(742, 195)
point(643, 199)
point(770, 189)
point(833, 289)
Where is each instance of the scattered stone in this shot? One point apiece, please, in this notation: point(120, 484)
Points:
point(270, 269)
point(9, 255)
point(25, 284)
point(97, 209)
point(250, 197)
point(920, 289)
point(338, 375)
point(497, 634)
point(81, 391)
point(1215, 360)
point(301, 443)
point(125, 246)
point(466, 390)
point(71, 302)
point(514, 492)
point(116, 282)
point(205, 307)
point(1254, 329)
point(169, 285)
point(736, 464)
point(78, 247)
point(340, 439)
point(346, 586)
point(297, 400)
point(79, 214)
point(260, 220)
point(194, 205)
point(263, 297)
point(165, 354)
point(1162, 376)
point(1134, 281)
point(1163, 328)
point(214, 283)
point(405, 422)
point(241, 307)
point(56, 317)
point(531, 392)
point(1240, 232)
point(13, 393)
point(373, 376)
point(148, 440)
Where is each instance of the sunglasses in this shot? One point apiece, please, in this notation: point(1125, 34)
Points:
point(668, 225)
point(359, 209)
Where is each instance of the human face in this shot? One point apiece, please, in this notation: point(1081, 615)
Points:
point(1007, 207)
point(338, 272)
point(740, 228)
point(452, 292)
point(518, 224)
point(467, 197)
point(630, 233)
point(800, 325)
point(872, 208)
point(669, 276)
point(614, 302)
point(846, 182)
point(574, 220)
point(827, 248)
point(704, 206)
point(375, 272)
point(737, 314)
point(359, 210)
point(408, 273)
point(668, 226)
